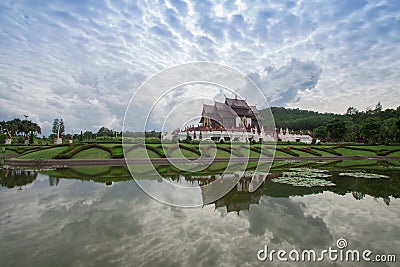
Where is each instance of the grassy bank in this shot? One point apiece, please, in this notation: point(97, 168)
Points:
point(104, 151)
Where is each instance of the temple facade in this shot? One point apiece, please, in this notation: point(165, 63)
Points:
point(233, 121)
point(232, 114)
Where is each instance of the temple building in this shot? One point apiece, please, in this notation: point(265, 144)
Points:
point(233, 113)
point(233, 121)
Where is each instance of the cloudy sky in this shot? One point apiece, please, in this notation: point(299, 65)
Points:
point(83, 60)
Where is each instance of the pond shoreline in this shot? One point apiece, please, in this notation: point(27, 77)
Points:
point(14, 162)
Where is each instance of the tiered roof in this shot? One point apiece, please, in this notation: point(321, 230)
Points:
point(232, 108)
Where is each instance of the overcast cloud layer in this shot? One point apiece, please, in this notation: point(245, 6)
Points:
point(83, 60)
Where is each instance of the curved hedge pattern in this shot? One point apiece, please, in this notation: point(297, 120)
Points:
point(152, 148)
point(328, 150)
point(192, 149)
point(231, 151)
point(307, 150)
point(68, 154)
point(287, 151)
point(261, 151)
point(387, 152)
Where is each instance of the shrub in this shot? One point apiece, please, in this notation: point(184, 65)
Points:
point(3, 138)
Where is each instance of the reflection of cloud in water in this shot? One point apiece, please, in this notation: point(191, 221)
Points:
point(366, 224)
point(84, 223)
point(286, 220)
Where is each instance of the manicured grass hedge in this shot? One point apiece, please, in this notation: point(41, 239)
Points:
point(223, 150)
point(190, 148)
point(12, 149)
point(24, 150)
point(359, 148)
point(117, 152)
point(387, 152)
point(68, 154)
point(92, 153)
point(328, 150)
point(287, 151)
point(46, 153)
point(347, 151)
point(229, 150)
point(260, 151)
point(307, 150)
point(160, 153)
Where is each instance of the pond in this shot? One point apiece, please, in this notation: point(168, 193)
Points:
point(100, 217)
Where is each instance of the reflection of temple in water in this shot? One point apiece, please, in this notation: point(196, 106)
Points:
point(239, 198)
point(11, 178)
point(242, 191)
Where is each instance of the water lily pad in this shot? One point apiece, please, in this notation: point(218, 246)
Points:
point(307, 170)
point(305, 177)
point(306, 174)
point(303, 181)
point(363, 175)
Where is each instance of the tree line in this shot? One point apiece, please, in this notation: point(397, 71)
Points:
point(369, 126)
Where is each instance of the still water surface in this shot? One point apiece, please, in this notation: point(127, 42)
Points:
point(72, 221)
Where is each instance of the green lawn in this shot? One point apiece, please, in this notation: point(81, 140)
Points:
point(92, 153)
point(220, 153)
point(141, 152)
point(395, 154)
point(324, 153)
point(177, 153)
point(218, 166)
point(252, 154)
point(8, 151)
point(350, 163)
point(98, 153)
point(351, 152)
point(48, 153)
point(282, 154)
point(109, 145)
point(303, 153)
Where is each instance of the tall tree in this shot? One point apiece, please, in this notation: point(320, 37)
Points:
point(378, 107)
point(17, 126)
point(103, 131)
point(370, 129)
point(336, 129)
point(351, 111)
point(58, 127)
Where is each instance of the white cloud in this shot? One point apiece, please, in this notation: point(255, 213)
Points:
point(104, 49)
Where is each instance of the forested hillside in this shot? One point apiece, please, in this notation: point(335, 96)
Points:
point(369, 126)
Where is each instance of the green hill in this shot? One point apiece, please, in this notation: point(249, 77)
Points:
point(370, 126)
